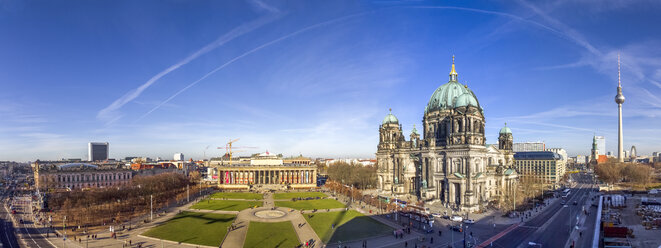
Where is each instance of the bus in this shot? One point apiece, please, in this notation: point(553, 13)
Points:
point(565, 194)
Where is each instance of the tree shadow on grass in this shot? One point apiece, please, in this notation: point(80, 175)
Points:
point(360, 227)
point(262, 242)
point(209, 220)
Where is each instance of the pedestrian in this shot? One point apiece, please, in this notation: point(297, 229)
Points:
point(431, 240)
point(406, 244)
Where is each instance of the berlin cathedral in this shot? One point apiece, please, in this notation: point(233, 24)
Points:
point(451, 163)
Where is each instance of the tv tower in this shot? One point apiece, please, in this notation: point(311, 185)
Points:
point(619, 99)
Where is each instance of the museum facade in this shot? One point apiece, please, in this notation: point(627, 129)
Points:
point(265, 170)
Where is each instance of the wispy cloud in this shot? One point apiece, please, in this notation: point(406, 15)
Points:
point(111, 112)
point(263, 6)
point(256, 49)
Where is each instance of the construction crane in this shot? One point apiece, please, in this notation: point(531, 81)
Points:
point(228, 148)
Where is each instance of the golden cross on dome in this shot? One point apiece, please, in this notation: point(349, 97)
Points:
point(452, 72)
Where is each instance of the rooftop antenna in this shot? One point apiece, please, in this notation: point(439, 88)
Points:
point(619, 84)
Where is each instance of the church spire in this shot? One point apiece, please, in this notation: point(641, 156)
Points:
point(453, 73)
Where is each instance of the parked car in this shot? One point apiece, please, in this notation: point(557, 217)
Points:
point(575, 203)
point(469, 221)
point(563, 202)
point(437, 215)
point(456, 218)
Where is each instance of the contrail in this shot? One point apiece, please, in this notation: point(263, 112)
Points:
point(515, 17)
point(337, 20)
point(251, 52)
point(109, 112)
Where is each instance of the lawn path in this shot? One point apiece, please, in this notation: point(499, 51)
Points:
point(237, 237)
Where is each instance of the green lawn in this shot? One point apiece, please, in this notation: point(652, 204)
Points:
point(277, 234)
point(238, 195)
point(310, 204)
point(194, 228)
point(349, 225)
point(297, 195)
point(227, 205)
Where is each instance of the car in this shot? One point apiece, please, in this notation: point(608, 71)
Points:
point(563, 203)
point(437, 215)
point(575, 203)
point(456, 228)
point(456, 218)
point(469, 221)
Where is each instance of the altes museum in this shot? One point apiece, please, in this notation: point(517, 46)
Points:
point(451, 162)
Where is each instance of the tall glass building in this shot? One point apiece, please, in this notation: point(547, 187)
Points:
point(98, 151)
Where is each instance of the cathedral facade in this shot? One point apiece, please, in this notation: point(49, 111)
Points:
point(450, 162)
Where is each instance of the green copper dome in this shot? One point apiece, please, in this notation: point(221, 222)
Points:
point(415, 131)
point(451, 95)
point(505, 130)
point(390, 118)
point(466, 99)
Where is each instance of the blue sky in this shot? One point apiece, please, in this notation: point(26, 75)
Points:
point(316, 77)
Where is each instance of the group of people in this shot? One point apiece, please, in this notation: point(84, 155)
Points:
point(231, 227)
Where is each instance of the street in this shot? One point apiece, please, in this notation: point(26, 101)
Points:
point(552, 227)
point(8, 239)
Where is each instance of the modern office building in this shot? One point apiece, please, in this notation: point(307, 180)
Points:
point(451, 162)
point(580, 159)
point(178, 157)
point(543, 167)
point(561, 152)
point(529, 146)
point(98, 151)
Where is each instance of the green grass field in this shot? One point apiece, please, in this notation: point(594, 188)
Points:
point(227, 205)
point(194, 228)
point(290, 195)
point(278, 234)
point(310, 204)
point(349, 225)
point(238, 195)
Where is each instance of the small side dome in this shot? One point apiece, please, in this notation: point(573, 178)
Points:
point(415, 131)
point(390, 118)
point(466, 99)
point(505, 130)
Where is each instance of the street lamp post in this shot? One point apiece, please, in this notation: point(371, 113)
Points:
point(465, 227)
point(151, 208)
point(64, 227)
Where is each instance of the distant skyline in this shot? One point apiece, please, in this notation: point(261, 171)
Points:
point(155, 78)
